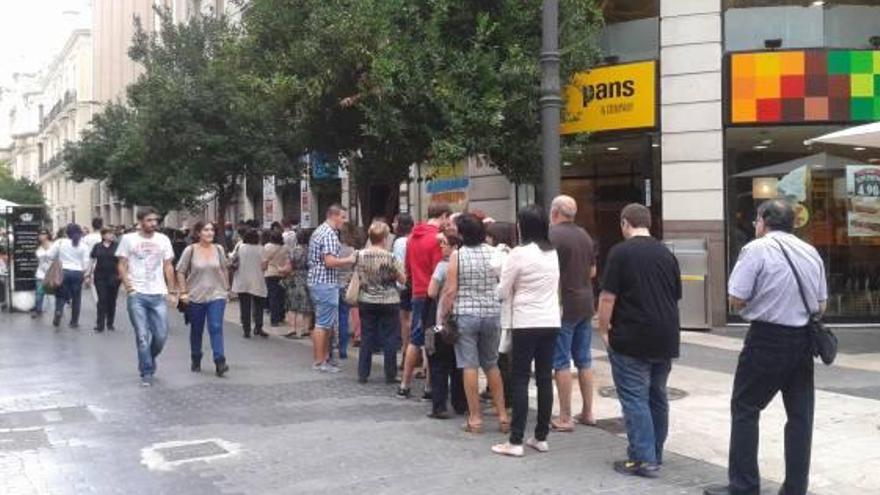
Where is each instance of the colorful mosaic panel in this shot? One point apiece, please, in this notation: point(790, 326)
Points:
point(805, 86)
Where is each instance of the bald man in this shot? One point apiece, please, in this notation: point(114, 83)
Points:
point(577, 268)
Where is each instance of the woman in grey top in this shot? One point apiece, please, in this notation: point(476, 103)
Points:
point(201, 277)
point(469, 293)
point(249, 260)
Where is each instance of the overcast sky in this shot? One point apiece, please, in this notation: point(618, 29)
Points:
point(33, 31)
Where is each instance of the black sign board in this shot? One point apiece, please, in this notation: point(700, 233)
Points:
point(26, 223)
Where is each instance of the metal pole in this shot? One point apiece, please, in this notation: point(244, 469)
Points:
point(551, 102)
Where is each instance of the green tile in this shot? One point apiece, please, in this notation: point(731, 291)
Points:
point(862, 108)
point(876, 108)
point(861, 62)
point(876, 84)
point(838, 62)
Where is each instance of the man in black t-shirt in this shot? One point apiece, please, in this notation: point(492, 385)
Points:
point(638, 320)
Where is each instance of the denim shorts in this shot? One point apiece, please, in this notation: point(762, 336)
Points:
point(417, 330)
point(325, 298)
point(478, 340)
point(573, 343)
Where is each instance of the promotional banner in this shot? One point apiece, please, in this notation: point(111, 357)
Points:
point(612, 98)
point(26, 223)
point(448, 184)
point(863, 191)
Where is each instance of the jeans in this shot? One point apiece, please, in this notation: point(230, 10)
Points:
point(107, 290)
point(149, 317)
point(477, 346)
point(774, 359)
point(275, 299)
point(380, 329)
point(40, 297)
point(251, 304)
point(417, 327)
point(343, 326)
point(199, 313)
point(641, 388)
point(70, 291)
point(538, 345)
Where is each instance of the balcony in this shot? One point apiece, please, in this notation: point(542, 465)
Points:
point(50, 165)
point(59, 106)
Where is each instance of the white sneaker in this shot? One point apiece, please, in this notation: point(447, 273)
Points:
point(329, 368)
point(508, 448)
point(539, 445)
point(318, 367)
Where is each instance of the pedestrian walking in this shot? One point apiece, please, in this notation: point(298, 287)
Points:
point(105, 279)
point(276, 255)
point(470, 295)
point(44, 261)
point(324, 262)
point(299, 303)
point(403, 225)
point(201, 278)
point(530, 281)
point(94, 237)
point(250, 261)
point(638, 321)
point(447, 384)
point(577, 267)
point(767, 284)
point(421, 258)
point(147, 274)
point(378, 300)
point(74, 257)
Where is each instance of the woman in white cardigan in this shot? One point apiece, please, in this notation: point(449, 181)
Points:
point(530, 279)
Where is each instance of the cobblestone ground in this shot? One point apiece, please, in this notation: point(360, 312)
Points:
point(73, 420)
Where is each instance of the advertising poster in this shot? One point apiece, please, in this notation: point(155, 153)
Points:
point(863, 191)
point(26, 223)
point(448, 184)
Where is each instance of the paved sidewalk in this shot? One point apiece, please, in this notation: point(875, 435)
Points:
point(74, 420)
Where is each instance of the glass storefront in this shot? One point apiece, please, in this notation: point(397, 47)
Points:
point(631, 31)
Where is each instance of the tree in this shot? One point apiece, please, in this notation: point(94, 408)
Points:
point(21, 190)
point(193, 125)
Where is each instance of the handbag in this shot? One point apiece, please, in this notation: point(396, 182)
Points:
point(54, 276)
point(824, 340)
point(354, 286)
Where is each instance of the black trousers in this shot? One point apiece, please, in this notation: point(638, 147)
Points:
point(775, 358)
point(538, 345)
point(275, 299)
point(250, 304)
point(107, 289)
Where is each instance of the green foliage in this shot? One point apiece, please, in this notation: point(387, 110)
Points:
point(21, 191)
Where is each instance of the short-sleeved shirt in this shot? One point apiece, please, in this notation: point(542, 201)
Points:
point(324, 241)
point(763, 278)
point(206, 278)
point(440, 273)
point(577, 256)
point(645, 278)
point(146, 258)
point(105, 261)
point(377, 271)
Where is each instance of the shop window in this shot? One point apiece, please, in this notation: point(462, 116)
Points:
point(837, 192)
point(631, 31)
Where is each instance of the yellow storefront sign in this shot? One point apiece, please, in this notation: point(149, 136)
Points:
point(611, 98)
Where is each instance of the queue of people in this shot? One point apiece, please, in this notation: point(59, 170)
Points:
point(460, 294)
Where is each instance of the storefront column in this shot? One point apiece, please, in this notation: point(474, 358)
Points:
point(692, 133)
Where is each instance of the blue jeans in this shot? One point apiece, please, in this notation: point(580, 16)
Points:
point(212, 312)
point(149, 317)
point(70, 290)
point(573, 343)
point(641, 388)
point(325, 298)
point(380, 330)
point(41, 296)
point(343, 325)
point(417, 330)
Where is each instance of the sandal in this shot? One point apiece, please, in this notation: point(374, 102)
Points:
point(472, 428)
point(504, 427)
point(556, 426)
point(579, 418)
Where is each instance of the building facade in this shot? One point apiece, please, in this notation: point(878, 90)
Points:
point(700, 110)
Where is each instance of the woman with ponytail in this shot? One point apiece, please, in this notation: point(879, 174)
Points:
point(73, 254)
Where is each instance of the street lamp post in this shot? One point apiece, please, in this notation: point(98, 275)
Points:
point(551, 102)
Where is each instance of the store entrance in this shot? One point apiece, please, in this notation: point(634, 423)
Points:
point(608, 175)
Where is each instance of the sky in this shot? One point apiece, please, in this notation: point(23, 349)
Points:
point(32, 32)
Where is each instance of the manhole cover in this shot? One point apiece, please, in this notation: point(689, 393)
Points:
point(166, 456)
point(671, 393)
point(18, 440)
point(43, 417)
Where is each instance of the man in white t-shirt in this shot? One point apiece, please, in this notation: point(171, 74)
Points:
point(147, 272)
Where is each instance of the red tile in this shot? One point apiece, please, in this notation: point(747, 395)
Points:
point(793, 86)
point(770, 110)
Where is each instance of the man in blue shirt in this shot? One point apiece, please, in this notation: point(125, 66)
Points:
point(777, 355)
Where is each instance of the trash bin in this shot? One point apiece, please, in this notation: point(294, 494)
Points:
point(693, 261)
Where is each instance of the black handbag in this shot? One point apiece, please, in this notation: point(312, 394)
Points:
point(824, 340)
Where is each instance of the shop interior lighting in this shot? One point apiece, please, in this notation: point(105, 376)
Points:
point(767, 141)
point(859, 148)
point(818, 3)
point(765, 187)
point(655, 145)
point(612, 148)
point(566, 164)
point(760, 147)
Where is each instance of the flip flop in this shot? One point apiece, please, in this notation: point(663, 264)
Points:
point(470, 428)
point(560, 428)
point(579, 418)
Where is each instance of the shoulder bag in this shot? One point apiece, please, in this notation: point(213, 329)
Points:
point(354, 285)
point(824, 341)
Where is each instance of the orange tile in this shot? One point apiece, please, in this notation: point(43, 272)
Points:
point(742, 64)
point(768, 87)
point(793, 63)
point(743, 88)
point(743, 111)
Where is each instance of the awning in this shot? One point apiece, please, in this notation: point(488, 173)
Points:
point(867, 136)
point(822, 161)
point(4, 204)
